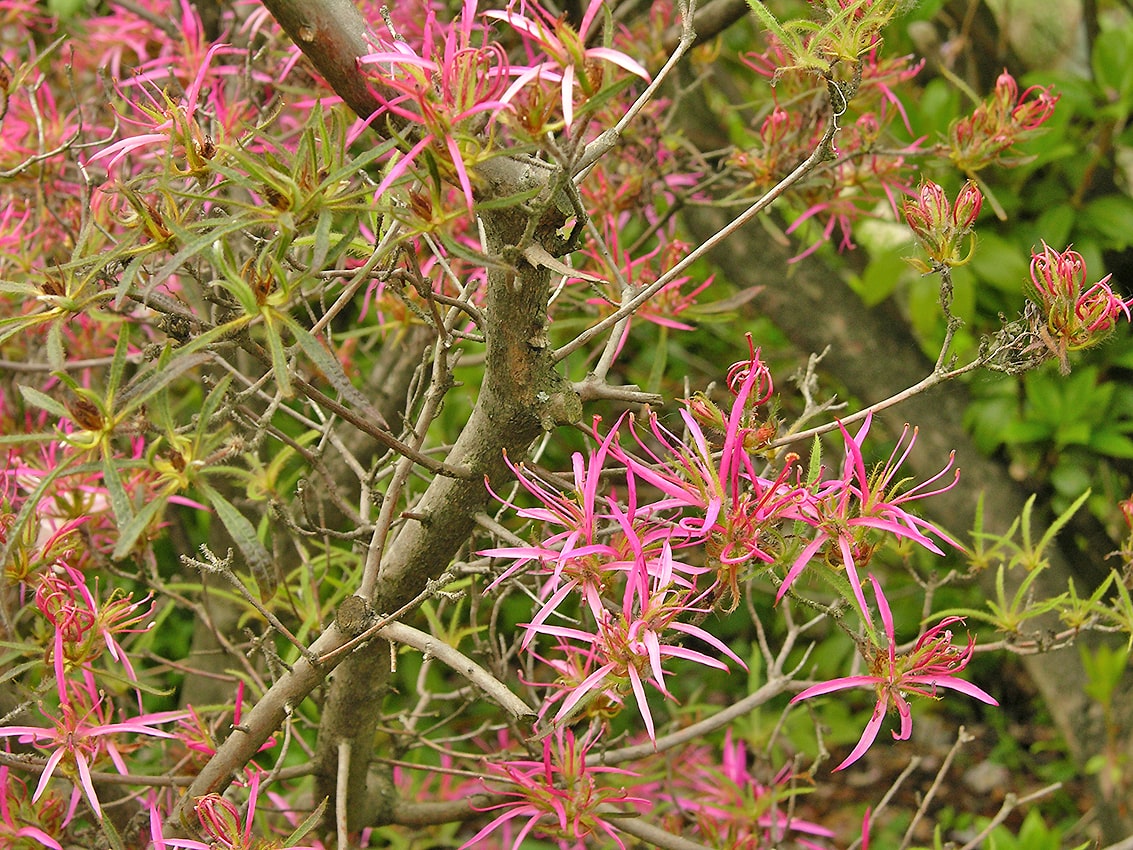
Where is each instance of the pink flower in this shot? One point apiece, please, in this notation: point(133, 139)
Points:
point(81, 736)
point(565, 56)
point(932, 663)
point(640, 270)
point(224, 826)
point(560, 795)
point(847, 508)
point(84, 627)
point(628, 649)
point(18, 824)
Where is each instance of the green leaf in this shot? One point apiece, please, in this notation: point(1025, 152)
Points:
point(310, 822)
point(1112, 62)
point(1001, 263)
point(116, 492)
point(163, 372)
point(1111, 217)
point(56, 351)
point(244, 536)
point(1059, 521)
point(215, 230)
point(44, 402)
point(814, 469)
point(118, 364)
point(128, 534)
point(322, 239)
point(329, 365)
point(278, 355)
point(1111, 443)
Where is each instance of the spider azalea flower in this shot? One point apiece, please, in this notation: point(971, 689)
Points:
point(933, 662)
point(561, 796)
point(561, 54)
point(850, 511)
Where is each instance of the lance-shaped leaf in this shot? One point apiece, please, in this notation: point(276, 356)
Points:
point(246, 540)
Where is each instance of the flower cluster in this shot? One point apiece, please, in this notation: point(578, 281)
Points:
point(939, 226)
point(700, 495)
point(451, 92)
point(444, 103)
point(730, 805)
point(863, 179)
point(1073, 314)
point(561, 794)
point(560, 54)
point(1006, 118)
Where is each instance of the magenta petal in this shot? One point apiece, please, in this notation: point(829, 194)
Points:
point(869, 735)
point(955, 684)
point(836, 685)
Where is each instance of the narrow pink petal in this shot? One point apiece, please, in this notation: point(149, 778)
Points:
point(852, 575)
point(568, 95)
point(401, 166)
point(588, 684)
point(954, 684)
point(461, 171)
point(886, 614)
point(40, 836)
point(491, 827)
point(653, 648)
point(905, 712)
point(87, 783)
point(697, 657)
point(708, 638)
point(619, 59)
point(642, 703)
point(836, 685)
point(800, 563)
point(869, 735)
point(48, 769)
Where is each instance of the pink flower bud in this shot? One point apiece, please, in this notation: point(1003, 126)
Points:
point(967, 208)
point(1057, 275)
point(1006, 92)
point(219, 818)
point(1126, 506)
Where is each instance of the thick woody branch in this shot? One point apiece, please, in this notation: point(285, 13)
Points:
point(332, 34)
point(521, 395)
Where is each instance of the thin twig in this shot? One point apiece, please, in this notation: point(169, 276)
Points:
point(913, 764)
point(341, 798)
point(654, 835)
point(459, 662)
point(962, 737)
point(921, 386)
point(1010, 803)
point(608, 139)
point(820, 153)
